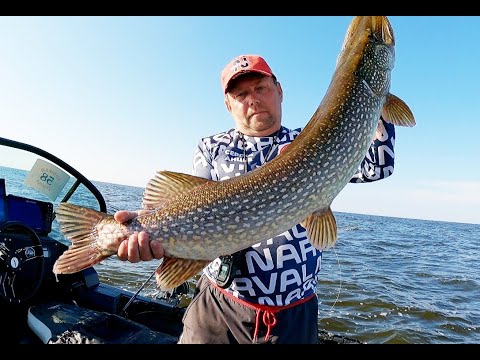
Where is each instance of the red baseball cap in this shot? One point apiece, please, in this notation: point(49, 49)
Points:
point(243, 64)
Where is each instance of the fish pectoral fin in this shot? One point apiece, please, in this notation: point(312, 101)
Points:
point(175, 271)
point(166, 185)
point(321, 229)
point(397, 112)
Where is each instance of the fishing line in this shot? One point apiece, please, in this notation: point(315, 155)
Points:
point(138, 291)
point(339, 289)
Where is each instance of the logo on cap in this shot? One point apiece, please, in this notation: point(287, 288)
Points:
point(240, 62)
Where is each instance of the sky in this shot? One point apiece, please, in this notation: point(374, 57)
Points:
point(121, 97)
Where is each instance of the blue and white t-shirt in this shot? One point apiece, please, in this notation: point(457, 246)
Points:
point(284, 269)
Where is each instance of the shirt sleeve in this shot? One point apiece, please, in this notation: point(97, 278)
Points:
point(202, 161)
point(379, 160)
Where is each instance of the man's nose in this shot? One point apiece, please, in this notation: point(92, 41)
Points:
point(253, 99)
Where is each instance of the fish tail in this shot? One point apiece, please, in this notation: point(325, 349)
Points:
point(79, 225)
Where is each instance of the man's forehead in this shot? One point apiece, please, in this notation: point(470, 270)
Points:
point(247, 79)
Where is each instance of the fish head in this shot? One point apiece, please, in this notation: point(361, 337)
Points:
point(369, 50)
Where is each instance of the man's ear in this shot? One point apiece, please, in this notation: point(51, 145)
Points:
point(279, 87)
point(227, 104)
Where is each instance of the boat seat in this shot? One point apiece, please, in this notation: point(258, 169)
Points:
point(67, 323)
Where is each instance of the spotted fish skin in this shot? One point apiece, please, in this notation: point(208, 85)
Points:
point(197, 220)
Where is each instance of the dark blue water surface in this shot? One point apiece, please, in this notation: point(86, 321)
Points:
point(388, 280)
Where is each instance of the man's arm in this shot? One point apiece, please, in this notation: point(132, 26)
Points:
point(202, 161)
point(379, 160)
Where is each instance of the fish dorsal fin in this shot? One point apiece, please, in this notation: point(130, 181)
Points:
point(397, 112)
point(166, 185)
point(175, 271)
point(321, 229)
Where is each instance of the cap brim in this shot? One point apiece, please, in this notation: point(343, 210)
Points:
point(240, 73)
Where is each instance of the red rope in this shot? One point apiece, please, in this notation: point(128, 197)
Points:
point(269, 319)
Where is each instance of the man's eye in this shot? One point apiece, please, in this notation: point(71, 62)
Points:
point(240, 96)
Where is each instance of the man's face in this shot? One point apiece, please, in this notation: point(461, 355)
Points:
point(255, 103)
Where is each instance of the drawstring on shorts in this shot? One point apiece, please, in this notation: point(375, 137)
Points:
point(265, 313)
point(269, 320)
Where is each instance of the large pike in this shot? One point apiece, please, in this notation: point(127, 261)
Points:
point(197, 220)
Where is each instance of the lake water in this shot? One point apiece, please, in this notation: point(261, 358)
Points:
point(388, 280)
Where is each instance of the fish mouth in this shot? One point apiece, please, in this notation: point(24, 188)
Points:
point(378, 27)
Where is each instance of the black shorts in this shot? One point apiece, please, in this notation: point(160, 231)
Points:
point(215, 318)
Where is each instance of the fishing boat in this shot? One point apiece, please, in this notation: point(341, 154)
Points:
point(39, 307)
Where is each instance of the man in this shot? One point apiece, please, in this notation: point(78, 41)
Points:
point(266, 293)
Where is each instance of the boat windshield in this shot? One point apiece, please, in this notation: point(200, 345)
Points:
point(32, 184)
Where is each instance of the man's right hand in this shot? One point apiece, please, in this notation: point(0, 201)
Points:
point(138, 247)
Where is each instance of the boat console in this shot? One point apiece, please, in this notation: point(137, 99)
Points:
point(39, 307)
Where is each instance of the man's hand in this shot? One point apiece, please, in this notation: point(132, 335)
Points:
point(138, 247)
point(381, 133)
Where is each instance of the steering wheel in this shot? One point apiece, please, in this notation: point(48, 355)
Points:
point(21, 262)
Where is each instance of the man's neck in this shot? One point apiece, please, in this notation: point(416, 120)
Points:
point(264, 133)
